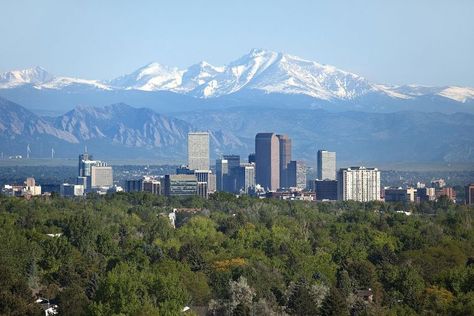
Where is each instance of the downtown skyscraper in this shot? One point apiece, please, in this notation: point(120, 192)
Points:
point(198, 151)
point(267, 156)
point(326, 165)
point(285, 158)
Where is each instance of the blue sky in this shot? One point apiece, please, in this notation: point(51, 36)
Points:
point(387, 41)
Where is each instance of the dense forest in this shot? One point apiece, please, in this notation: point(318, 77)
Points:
point(120, 255)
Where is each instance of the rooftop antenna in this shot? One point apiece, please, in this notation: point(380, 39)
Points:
point(28, 151)
point(85, 149)
point(52, 153)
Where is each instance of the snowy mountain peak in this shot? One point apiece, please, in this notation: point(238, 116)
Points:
point(35, 75)
point(153, 76)
point(259, 70)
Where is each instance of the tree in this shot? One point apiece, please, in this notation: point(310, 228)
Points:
point(241, 296)
point(304, 299)
point(334, 304)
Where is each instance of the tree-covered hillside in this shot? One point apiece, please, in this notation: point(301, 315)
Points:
point(120, 255)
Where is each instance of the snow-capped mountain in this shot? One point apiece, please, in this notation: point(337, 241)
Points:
point(14, 78)
point(260, 70)
point(151, 77)
point(39, 78)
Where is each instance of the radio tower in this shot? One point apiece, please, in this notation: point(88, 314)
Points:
point(28, 151)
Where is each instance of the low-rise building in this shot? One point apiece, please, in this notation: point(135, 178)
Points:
point(180, 185)
point(447, 192)
point(425, 194)
point(71, 190)
point(292, 195)
point(326, 190)
point(399, 194)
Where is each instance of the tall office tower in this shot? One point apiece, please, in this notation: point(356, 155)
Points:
point(246, 177)
point(101, 176)
point(267, 154)
point(359, 184)
point(326, 165)
point(296, 174)
point(230, 180)
point(82, 159)
point(222, 170)
point(470, 194)
point(198, 151)
point(285, 158)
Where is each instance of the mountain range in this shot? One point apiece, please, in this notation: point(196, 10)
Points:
point(114, 131)
point(148, 113)
point(125, 132)
point(258, 76)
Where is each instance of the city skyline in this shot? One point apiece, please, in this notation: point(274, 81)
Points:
point(310, 157)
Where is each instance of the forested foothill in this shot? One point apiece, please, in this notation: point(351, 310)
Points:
point(121, 255)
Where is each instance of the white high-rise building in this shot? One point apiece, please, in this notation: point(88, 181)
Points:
point(198, 151)
point(326, 165)
point(359, 184)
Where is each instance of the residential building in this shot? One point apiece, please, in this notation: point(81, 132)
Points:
point(359, 184)
point(447, 192)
